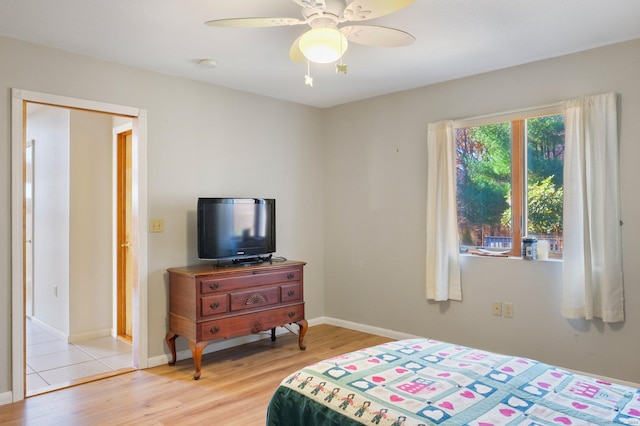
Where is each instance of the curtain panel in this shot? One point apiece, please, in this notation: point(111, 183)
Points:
point(443, 261)
point(592, 280)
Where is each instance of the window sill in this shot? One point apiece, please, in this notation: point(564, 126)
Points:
point(503, 256)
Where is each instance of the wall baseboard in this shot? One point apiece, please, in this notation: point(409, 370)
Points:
point(391, 334)
point(75, 337)
point(216, 346)
point(230, 343)
point(61, 335)
point(87, 335)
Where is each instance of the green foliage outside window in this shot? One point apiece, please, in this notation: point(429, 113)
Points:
point(484, 179)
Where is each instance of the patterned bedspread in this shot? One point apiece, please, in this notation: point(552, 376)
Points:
point(426, 382)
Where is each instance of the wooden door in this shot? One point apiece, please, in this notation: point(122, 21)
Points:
point(124, 281)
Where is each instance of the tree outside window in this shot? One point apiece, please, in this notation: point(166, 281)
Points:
point(503, 194)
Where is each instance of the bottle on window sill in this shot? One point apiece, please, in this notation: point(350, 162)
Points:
point(529, 248)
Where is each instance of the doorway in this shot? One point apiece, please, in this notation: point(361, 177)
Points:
point(21, 238)
point(70, 329)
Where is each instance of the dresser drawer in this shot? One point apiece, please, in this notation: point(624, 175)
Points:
point(215, 304)
point(249, 279)
point(254, 298)
point(250, 323)
point(291, 292)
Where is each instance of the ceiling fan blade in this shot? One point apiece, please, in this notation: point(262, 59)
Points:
point(371, 35)
point(360, 10)
point(312, 4)
point(295, 54)
point(254, 22)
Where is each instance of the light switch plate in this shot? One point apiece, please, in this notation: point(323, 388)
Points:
point(156, 225)
point(497, 308)
point(508, 309)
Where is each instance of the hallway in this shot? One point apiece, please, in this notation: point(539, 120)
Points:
point(53, 363)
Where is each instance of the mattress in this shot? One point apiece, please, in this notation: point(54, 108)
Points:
point(428, 382)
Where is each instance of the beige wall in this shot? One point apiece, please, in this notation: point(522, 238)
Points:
point(358, 173)
point(90, 225)
point(201, 141)
point(49, 128)
point(375, 218)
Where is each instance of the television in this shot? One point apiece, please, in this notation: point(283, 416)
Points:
point(239, 230)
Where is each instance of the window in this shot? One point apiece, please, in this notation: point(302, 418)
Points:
point(510, 181)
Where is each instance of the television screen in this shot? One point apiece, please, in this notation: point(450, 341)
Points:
point(236, 228)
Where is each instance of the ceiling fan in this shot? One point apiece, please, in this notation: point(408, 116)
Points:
point(326, 42)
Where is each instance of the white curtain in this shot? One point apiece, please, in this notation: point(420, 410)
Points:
point(592, 266)
point(443, 263)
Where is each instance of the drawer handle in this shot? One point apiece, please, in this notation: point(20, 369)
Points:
point(214, 329)
point(291, 293)
point(214, 305)
point(290, 275)
point(214, 286)
point(291, 314)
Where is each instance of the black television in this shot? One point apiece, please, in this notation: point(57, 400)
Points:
point(236, 230)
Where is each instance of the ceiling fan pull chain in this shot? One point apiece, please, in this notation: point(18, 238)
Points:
point(308, 80)
point(341, 67)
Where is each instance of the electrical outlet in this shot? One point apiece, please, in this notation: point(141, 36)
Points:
point(508, 309)
point(156, 225)
point(497, 308)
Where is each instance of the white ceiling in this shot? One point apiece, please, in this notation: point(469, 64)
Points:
point(454, 38)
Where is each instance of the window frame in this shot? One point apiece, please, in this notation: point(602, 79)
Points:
point(517, 120)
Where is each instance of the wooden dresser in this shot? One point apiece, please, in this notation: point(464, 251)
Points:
point(208, 303)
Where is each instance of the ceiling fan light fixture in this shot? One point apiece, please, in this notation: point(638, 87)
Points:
point(323, 45)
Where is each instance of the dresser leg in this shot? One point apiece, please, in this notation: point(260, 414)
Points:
point(196, 352)
point(273, 334)
point(303, 330)
point(171, 342)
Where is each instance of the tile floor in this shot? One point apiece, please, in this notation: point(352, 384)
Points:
point(52, 362)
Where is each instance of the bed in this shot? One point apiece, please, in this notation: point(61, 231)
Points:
point(427, 382)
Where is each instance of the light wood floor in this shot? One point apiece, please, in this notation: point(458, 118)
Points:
point(235, 387)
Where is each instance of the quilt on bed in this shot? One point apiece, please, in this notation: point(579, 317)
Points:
point(427, 382)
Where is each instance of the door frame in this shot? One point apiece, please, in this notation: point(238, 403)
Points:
point(19, 98)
